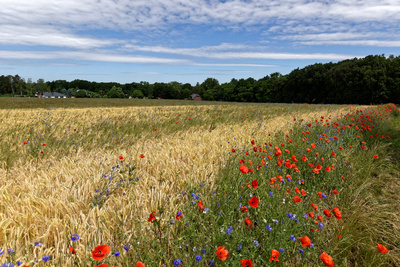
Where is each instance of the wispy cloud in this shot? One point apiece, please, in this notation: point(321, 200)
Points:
point(49, 36)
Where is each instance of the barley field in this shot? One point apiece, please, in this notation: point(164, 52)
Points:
point(57, 157)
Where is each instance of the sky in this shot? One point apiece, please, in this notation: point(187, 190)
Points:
point(188, 40)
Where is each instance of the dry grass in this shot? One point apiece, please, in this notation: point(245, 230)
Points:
point(47, 197)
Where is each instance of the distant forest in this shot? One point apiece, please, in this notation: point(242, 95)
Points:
point(373, 79)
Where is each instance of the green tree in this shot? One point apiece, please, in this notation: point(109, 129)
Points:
point(137, 94)
point(115, 92)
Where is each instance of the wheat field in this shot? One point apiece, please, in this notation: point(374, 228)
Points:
point(47, 197)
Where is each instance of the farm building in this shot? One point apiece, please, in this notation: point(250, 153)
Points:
point(195, 97)
point(53, 95)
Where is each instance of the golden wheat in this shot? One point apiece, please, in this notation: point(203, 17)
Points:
point(48, 197)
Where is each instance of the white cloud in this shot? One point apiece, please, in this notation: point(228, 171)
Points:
point(88, 56)
point(156, 14)
point(47, 36)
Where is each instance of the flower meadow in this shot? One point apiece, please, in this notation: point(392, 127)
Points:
point(204, 185)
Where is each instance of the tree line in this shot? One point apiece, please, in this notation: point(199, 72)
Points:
point(373, 79)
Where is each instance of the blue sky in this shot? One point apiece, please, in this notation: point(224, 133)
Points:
point(188, 40)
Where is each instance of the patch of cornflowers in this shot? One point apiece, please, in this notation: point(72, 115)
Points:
point(116, 180)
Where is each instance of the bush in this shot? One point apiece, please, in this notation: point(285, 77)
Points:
point(137, 94)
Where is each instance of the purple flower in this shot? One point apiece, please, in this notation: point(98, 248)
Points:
point(74, 237)
point(46, 258)
point(126, 247)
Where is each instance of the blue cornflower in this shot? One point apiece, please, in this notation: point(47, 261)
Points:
point(38, 244)
point(204, 251)
point(218, 205)
point(305, 215)
point(271, 194)
point(229, 230)
point(292, 238)
point(116, 254)
point(219, 213)
point(211, 263)
point(46, 258)
point(323, 195)
point(239, 247)
point(74, 237)
point(275, 221)
point(301, 250)
point(172, 222)
point(7, 264)
point(1, 252)
point(256, 243)
point(10, 250)
point(321, 225)
point(289, 179)
point(177, 262)
point(19, 263)
point(193, 202)
point(198, 258)
point(269, 228)
point(290, 215)
point(206, 210)
point(311, 245)
point(281, 250)
point(126, 247)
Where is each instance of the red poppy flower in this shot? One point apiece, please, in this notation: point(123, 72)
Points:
point(151, 217)
point(327, 213)
point(254, 184)
point(320, 218)
point(222, 253)
point(200, 205)
point(243, 168)
point(333, 154)
point(311, 214)
point(100, 252)
point(254, 202)
point(41, 152)
point(44, 144)
point(249, 223)
point(335, 192)
point(244, 209)
point(337, 213)
point(140, 264)
point(328, 169)
point(25, 142)
point(178, 215)
point(120, 157)
point(252, 142)
point(305, 241)
point(303, 192)
point(376, 156)
point(246, 263)
point(72, 250)
point(296, 199)
point(327, 260)
point(233, 150)
point(103, 265)
point(382, 248)
point(142, 156)
point(315, 207)
point(274, 255)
